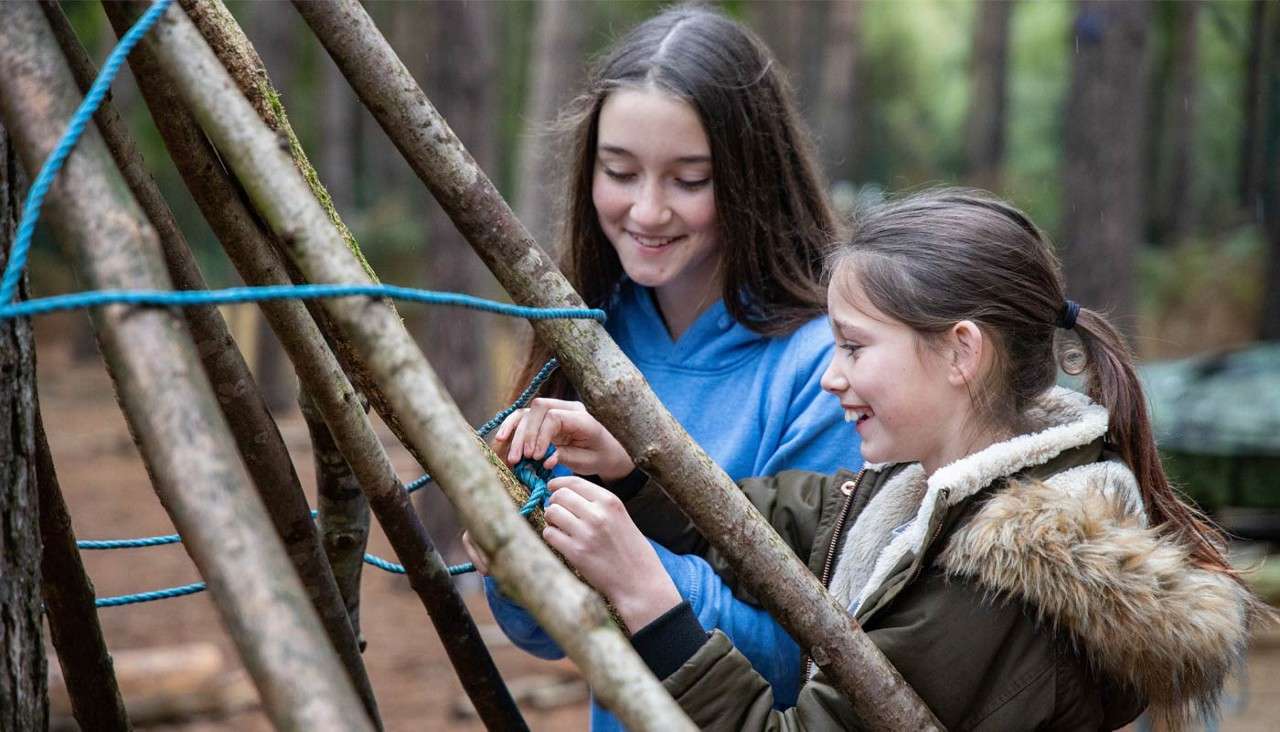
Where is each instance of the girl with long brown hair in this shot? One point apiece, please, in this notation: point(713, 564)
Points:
point(696, 217)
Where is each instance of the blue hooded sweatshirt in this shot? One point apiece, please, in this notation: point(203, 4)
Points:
point(754, 403)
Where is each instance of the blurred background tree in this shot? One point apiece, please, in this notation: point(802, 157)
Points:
point(1143, 136)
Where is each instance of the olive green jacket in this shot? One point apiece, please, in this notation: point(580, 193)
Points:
point(1016, 588)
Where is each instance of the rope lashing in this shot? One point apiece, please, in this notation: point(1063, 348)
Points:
point(530, 472)
point(531, 475)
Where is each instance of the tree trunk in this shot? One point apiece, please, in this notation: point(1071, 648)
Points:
point(988, 94)
point(613, 390)
point(1269, 182)
point(86, 664)
point(460, 462)
point(559, 49)
point(1175, 130)
point(1103, 168)
point(838, 101)
point(1253, 138)
point(343, 510)
point(165, 396)
point(24, 704)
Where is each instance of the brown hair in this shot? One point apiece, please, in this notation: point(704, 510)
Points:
point(935, 258)
point(776, 225)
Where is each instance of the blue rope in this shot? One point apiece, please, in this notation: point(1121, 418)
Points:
point(530, 472)
point(190, 298)
point(149, 596)
point(82, 116)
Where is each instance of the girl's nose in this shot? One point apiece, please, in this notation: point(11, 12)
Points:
point(650, 207)
point(832, 380)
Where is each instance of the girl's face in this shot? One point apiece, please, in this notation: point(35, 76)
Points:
point(902, 394)
point(653, 193)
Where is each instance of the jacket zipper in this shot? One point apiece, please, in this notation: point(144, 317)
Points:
point(831, 551)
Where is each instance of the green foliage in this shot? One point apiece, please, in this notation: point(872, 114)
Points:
point(1203, 294)
point(914, 59)
point(1040, 73)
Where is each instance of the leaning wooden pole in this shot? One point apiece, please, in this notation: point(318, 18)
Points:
point(608, 382)
point(165, 396)
point(252, 426)
point(68, 600)
point(254, 255)
point(461, 464)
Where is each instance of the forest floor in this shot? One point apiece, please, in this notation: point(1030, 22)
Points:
point(109, 496)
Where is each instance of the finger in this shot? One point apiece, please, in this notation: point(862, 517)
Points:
point(589, 491)
point(551, 430)
point(475, 555)
point(560, 541)
point(573, 502)
point(516, 450)
point(504, 430)
point(551, 462)
point(564, 520)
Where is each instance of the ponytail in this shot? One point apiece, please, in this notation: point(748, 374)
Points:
point(1110, 380)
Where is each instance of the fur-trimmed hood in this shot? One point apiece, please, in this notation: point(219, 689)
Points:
point(1075, 546)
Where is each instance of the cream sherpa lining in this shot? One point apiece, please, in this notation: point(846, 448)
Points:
point(1070, 420)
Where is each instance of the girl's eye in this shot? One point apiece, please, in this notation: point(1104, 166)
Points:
point(619, 176)
point(692, 185)
point(851, 348)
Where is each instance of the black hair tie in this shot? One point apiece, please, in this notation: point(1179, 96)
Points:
point(1067, 318)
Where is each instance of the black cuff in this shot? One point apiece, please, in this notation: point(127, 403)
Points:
point(671, 640)
point(628, 487)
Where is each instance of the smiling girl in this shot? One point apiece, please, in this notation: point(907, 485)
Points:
point(696, 218)
point(1013, 547)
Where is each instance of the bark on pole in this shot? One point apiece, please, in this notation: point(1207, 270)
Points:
point(343, 510)
point(68, 599)
point(23, 695)
point(609, 383)
point(322, 377)
point(252, 426)
point(462, 465)
point(167, 400)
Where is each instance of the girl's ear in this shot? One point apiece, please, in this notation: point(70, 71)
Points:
point(966, 346)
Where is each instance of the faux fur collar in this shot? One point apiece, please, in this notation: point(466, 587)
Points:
point(1066, 419)
point(1076, 548)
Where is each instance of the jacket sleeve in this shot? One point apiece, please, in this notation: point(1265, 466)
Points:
point(995, 668)
point(765, 644)
point(791, 501)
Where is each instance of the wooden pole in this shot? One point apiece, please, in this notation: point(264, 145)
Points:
point(461, 464)
point(323, 379)
point(252, 426)
point(608, 382)
point(68, 600)
point(167, 400)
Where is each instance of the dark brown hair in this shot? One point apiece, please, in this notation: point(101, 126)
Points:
point(935, 258)
point(774, 221)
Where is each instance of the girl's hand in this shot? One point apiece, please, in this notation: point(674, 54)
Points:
point(582, 444)
point(476, 556)
point(590, 527)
